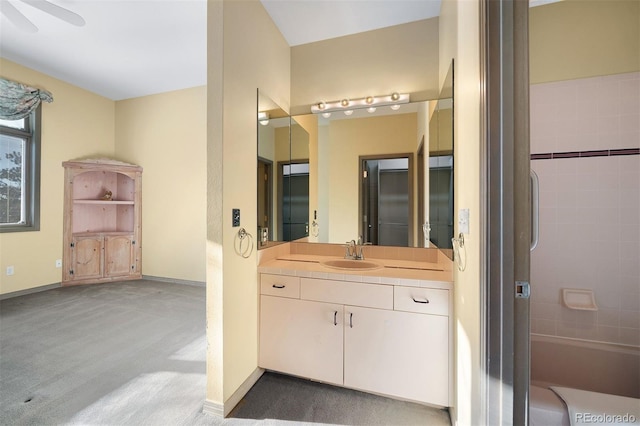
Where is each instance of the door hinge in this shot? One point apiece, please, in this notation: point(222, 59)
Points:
point(523, 289)
point(365, 174)
point(71, 272)
point(72, 245)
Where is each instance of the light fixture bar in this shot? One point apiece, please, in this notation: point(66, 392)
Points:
point(367, 102)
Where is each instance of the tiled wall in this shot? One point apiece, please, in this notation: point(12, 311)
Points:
point(585, 145)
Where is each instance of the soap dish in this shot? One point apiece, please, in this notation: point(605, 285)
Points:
point(581, 299)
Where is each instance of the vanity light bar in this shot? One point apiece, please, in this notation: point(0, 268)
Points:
point(368, 102)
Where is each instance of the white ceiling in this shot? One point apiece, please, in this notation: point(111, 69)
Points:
point(126, 49)
point(306, 21)
point(132, 48)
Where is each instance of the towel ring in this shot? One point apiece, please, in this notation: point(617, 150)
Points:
point(243, 236)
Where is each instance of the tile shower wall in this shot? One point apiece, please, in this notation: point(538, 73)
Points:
point(585, 141)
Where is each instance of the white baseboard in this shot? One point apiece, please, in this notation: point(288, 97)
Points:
point(242, 390)
point(213, 408)
point(222, 410)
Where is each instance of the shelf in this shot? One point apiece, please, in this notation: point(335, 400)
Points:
point(106, 233)
point(114, 202)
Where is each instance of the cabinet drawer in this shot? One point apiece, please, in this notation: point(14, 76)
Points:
point(421, 300)
point(347, 293)
point(280, 285)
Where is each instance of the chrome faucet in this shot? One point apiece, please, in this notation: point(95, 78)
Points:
point(350, 250)
point(355, 250)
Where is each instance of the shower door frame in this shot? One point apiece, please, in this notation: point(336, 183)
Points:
point(506, 205)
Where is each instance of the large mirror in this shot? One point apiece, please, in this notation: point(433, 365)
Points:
point(441, 211)
point(282, 177)
point(383, 176)
point(366, 176)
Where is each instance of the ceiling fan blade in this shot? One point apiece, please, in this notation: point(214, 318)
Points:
point(57, 11)
point(17, 18)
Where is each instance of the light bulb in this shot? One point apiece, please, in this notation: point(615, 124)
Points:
point(395, 96)
point(348, 112)
point(371, 109)
point(322, 105)
point(369, 100)
point(326, 114)
point(395, 107)
point(344, 102)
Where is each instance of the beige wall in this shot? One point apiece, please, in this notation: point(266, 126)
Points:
point(577, 39)
point(245, 52)
point(80, 124)
point(77, 124)
point(166, 135)
point(403, 59)
point(459, 35)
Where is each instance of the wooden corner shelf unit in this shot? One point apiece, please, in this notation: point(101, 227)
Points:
point(102, 222)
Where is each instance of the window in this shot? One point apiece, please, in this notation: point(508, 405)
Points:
point(20, 174)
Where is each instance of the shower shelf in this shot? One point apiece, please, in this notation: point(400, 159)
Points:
point(580, 299)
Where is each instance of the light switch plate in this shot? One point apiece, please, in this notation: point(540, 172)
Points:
point(235, 213)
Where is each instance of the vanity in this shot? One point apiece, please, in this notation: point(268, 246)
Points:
point(385, 329)
point(382, 323)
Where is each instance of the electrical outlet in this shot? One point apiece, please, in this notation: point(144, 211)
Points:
point(59, 263)
point(10, 270)
point(463, 221)
point(235, 213)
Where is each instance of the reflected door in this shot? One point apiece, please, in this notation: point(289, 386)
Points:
point(265, 199)
point(296, 201)
point(386, 201)
point(441, 200)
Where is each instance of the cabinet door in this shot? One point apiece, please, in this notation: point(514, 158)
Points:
point(397, 353)
point(86, 254)
point(117, 255)
point(302, 338)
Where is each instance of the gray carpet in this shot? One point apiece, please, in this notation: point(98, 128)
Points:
point(133, 353)
point(293, 399)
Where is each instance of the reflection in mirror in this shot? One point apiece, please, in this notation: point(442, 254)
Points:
point(273, 155)
point(359, 194)
point(296, 185)
point(386, 200)
point(441, 209)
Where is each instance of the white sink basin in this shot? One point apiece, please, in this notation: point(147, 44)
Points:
point(351, 264)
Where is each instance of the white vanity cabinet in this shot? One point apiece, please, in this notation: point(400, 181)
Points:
point(386, 339)
point(397, 353)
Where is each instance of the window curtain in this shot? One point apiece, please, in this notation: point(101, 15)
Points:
point(18, 100)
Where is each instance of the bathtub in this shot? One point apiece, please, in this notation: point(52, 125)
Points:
point(592, 366)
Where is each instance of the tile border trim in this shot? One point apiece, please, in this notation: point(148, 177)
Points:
point(585, 154)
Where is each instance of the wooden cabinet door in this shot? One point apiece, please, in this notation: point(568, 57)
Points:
point(397, 353)
point(117, 255)
point(301, 338)
point(87, 257)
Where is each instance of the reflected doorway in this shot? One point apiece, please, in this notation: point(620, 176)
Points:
point(295, 181)
point(386, 200)
point(441, 200)
point(265, 200)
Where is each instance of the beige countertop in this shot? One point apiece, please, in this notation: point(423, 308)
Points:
point(392, 272)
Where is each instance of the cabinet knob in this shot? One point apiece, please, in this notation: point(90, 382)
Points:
point(350, 319)
point(278, 286)
point(420, 301)
point(335, 318)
